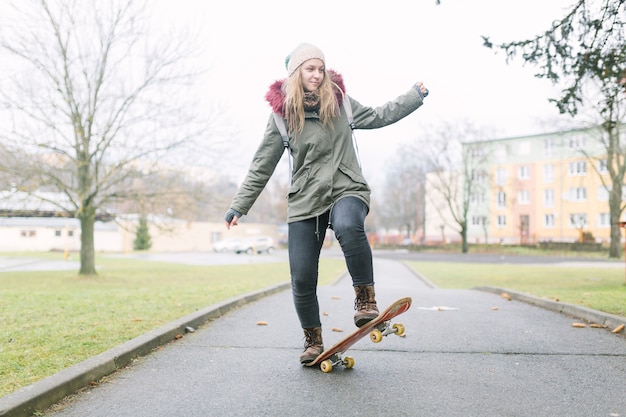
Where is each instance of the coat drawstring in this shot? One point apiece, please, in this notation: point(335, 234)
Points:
point(317, 227)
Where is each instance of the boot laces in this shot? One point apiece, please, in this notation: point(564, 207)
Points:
point(310, 339)
point(362, 302)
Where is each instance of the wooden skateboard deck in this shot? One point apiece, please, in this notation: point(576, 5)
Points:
point(376, 328)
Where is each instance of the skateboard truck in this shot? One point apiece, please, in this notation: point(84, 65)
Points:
point(327, 365)
point(385, 329)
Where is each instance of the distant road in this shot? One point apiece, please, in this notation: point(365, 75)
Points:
point(496, 259)
point(16, 263)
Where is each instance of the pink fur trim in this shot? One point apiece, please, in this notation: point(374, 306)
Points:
point(276, 96)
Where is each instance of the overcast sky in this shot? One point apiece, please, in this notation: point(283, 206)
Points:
point(381, 49)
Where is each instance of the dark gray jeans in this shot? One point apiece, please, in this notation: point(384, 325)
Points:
point(306, 237)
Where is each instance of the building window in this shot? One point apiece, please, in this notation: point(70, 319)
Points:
point(57, 233)
point(501, 199)
point(476, 152)
point(548, 147)
point(477, 198)
point(478, 221)
point(28, 233)
point(603, 193)
point(578, 194)
point(501, 221)
point(523, 172)
point(578, 220)
point(479, 176)
point(604, 220)
point(548, 197)
point(523, 197)
point(70, 233)
point(501, 176)
point(578, 168)
point(577, 143)
point(603, 166)
point(549, 220)
point(548, 173)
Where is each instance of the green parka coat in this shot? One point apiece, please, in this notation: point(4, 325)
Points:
point(325, 164)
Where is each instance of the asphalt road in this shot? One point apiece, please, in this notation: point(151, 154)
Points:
point(9, 263)
point(466, 353)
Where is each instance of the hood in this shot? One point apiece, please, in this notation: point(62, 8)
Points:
point(276, 96)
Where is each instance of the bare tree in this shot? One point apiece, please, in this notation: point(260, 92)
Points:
point(457, 163)
point(402, 202)
point(271, 206)
point(98, 106)
point(585, 53)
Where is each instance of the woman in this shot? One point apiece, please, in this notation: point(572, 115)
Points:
point(328, 189)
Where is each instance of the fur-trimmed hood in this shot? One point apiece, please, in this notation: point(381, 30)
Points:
point(276, 96)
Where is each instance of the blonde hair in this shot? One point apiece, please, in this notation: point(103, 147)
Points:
point(294, 102)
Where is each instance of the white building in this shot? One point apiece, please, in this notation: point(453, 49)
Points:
point(35, 223)
point(19, 234)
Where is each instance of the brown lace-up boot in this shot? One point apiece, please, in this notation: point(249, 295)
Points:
point(313, 345)
point(365, 304)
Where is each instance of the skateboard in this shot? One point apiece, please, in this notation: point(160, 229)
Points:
point(377, 329)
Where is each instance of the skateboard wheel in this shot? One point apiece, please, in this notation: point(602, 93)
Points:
point(376, 336)
point(399, 329)
point(348, 362)
point(326, 366)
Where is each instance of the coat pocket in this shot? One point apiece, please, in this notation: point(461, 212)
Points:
point(298, 183)
point(353, 175)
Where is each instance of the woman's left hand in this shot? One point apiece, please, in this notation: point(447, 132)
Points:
point(422, 89)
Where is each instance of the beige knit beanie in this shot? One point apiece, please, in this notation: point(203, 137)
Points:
point(303, 52)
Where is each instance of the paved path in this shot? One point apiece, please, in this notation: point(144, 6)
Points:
point(19, 263)
point(470, 360)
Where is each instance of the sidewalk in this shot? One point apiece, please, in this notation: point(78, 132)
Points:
point(466, 353)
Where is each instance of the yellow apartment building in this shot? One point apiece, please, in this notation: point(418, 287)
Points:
point(538, 188)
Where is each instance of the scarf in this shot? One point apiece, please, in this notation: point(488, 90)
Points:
point(311, 101)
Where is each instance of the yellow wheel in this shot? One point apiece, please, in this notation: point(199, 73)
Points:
point(376, 336)
point(326, 366)
point(348, 362)
point(399, 328)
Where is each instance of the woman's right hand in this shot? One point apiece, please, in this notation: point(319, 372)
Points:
point(232, 217)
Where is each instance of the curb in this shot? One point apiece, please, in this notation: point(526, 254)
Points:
point(48, 391)
point(589, 315)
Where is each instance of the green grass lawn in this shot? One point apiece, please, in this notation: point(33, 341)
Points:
point(598, 288)
point(53, 320)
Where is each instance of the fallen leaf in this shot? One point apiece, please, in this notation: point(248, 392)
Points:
point(335, 297)
point(597, 326)
point(579, 325)
point(618, 329)
point(506, 296)
point(178, 336)
point(494, 308)
point(136, 320)
point(262, 323)
point(325, 313)
point(337, 329)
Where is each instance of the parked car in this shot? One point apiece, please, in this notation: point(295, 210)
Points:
point(226, 245)
point(258, 244)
